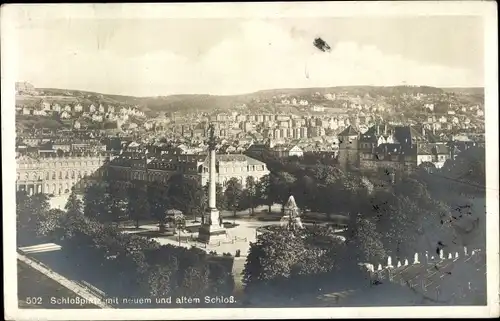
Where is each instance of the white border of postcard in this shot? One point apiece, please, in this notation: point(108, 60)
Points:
point(10, 15)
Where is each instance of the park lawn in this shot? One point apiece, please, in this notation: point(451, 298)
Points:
point(33, 284)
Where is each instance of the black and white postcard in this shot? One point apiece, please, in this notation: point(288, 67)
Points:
point(250, 160)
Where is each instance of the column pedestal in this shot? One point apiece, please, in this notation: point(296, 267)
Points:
point(211, 229)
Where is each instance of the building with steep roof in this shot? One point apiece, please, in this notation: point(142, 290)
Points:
point(234, 166)
point(287, 150)
point(258, 150)
point(374, 136)
point(404, 150)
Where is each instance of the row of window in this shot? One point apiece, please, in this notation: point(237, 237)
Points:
point(430, 158)
point(142, 176)
point(51, 188)
point(59, 164)
point(160, 177)
point(57, 175)
point(250, 168)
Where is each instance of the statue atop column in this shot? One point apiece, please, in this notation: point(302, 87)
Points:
point(211, 137)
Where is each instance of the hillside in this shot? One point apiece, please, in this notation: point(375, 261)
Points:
point(204, 103)
point(469, 91)
point(353, 90)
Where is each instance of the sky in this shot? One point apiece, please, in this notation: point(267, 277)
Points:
point(150, 57)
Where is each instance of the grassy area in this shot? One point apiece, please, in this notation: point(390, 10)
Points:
point(35, 290)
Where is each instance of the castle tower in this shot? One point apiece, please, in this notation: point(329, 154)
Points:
point(348, 147)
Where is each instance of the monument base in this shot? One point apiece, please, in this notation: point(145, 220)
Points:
point(207, 232)
point(212, 227)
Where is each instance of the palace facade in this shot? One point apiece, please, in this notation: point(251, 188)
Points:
point(58, 174)
point(159, 168)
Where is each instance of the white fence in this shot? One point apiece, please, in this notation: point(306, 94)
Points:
point(429, 275)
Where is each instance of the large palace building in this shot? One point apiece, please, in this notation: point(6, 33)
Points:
point(57, 175)
point(140, 166)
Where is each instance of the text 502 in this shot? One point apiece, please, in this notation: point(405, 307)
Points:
point(34, 300)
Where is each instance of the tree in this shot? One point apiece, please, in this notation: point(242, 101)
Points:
point(443, 226)
point(399, 227)
point(23, 210)
point(160, 280)
point(73, 205)
point(117, 200)
point(159, 202)
point(96, 203)
point(186, 194)
point(49, 222)
point(282, 187)
point(195, 280)
point(179, 271)
point(272, 256)
point(330, 197)
point(468, 166)
point(289, 261)
point(306, 192)
point(251, 193)
point(220, 196)
point(138, 206)
point(365, 243)
point(30, 211)
point(327, 174)
point(233, 194)
point(264, 191)
point(410, 187)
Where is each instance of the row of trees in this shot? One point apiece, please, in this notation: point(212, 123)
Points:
point(137, 200)
point(129, 265)
point(396, 219)
point(464, 174)
point(403, 214)
point(141, 200)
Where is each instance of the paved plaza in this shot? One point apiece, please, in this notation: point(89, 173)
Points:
point(236, 238)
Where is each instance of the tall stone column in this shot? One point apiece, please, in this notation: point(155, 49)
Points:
point(212, 226)
point(212, 192)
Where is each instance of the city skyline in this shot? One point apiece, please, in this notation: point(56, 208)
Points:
point(119, 56)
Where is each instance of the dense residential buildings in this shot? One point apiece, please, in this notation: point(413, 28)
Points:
point(369, 132)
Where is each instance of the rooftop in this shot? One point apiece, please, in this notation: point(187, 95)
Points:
point(349, 131)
